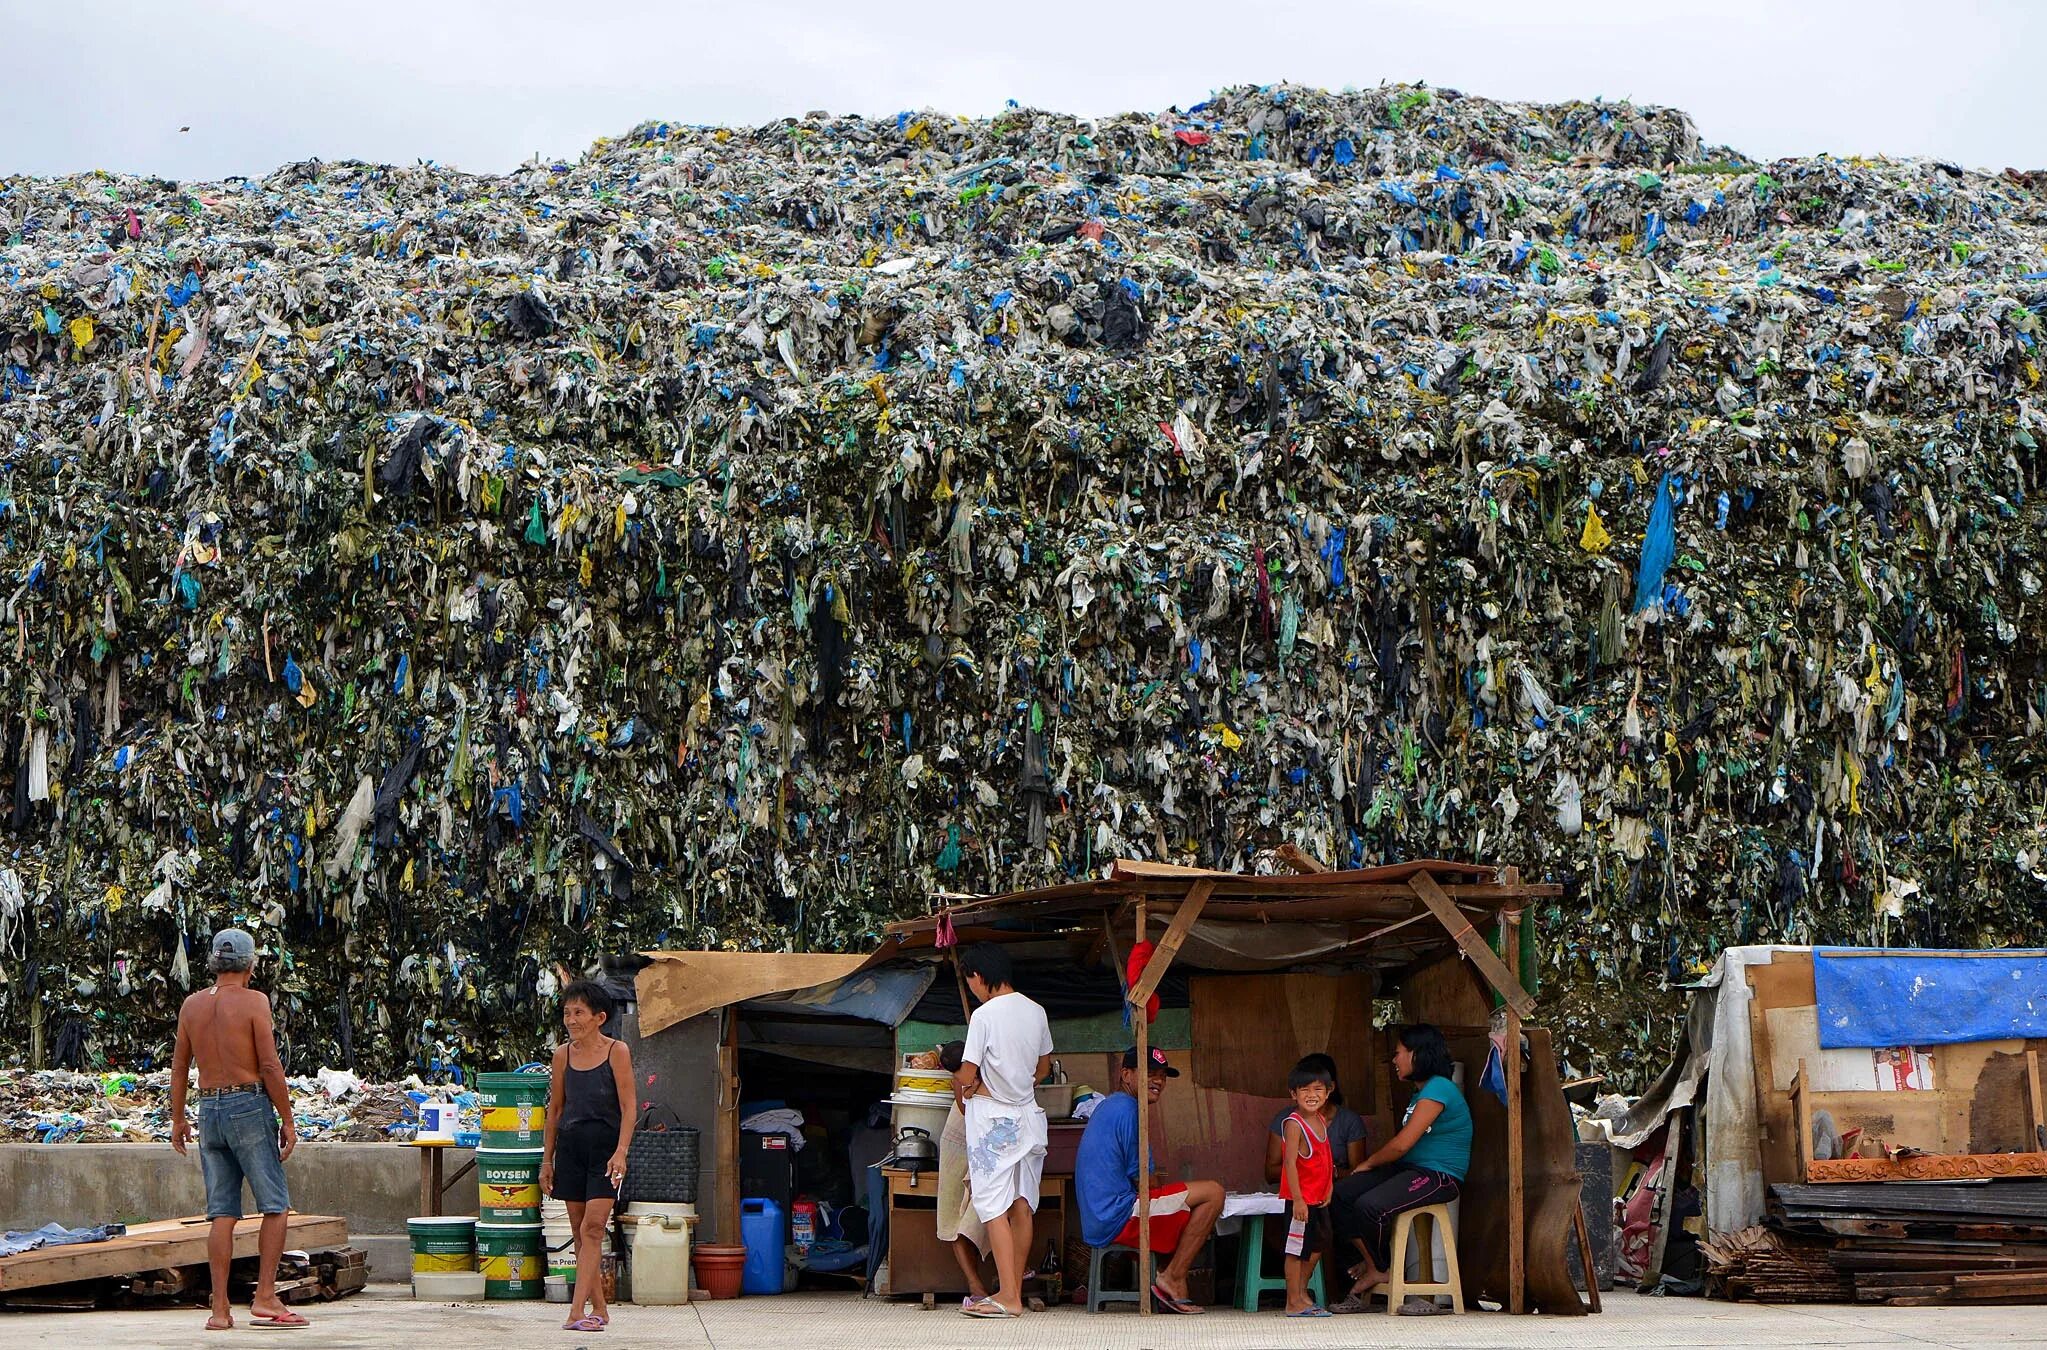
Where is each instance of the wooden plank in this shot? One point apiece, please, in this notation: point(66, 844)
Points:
point(155, 1246)
point(1169, 945)
point(1143, 1134)
point(1471, 944)
point(1297, 859)
point(1931, 1167)
point(1585, 1261)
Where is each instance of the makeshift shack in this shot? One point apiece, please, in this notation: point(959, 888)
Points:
point(1278, 966)
point(1810, 1082)
point(717, 1031)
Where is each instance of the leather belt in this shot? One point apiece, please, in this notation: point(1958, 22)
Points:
point(231, 1090)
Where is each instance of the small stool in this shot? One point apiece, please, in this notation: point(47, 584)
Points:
point(1098, 1295)
point(1398, 1287)
point(1252, 1281)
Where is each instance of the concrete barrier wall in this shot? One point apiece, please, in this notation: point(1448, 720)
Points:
point(373, 1186)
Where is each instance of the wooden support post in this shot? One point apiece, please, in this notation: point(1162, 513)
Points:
point(1517, 1160)
point(2038, 1093)
point(1169, 945)
point(728, 1129)
point(1143, 1026)
point(431, 1187)
point(966, 1003)
point(1801, 1123)
point(1472, 945)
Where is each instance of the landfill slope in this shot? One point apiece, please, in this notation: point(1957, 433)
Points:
point(738, 534)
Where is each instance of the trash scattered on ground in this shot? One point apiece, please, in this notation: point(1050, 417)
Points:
point(734, 535)
point(56, 1106)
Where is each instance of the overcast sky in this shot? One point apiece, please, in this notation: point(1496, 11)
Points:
point(484, 84)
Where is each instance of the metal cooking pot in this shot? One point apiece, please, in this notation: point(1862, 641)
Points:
point(916, 1150)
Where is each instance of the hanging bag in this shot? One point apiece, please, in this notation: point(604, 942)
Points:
point(661, 1165)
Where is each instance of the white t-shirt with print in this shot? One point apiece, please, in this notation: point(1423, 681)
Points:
point(1006, 1037)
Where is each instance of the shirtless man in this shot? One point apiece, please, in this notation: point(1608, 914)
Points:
point(245, 1124)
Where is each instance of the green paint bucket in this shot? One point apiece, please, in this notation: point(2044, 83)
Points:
point(514, 1109)
point(510, 1256)
point(442, 1245)
point(508, 1185)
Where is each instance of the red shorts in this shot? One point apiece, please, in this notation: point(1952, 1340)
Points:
point(1169, 1216)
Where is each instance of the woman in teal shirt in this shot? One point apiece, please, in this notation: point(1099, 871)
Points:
point(1423, 1164)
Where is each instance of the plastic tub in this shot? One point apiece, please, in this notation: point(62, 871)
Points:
point(454, 1286)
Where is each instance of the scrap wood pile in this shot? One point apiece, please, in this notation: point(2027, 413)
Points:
point(322, 1275)
point(1889, 1242)
point(732, 536)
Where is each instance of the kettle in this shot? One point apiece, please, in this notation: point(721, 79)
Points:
point(916, 1150)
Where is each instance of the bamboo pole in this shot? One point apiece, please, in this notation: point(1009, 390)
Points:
point(1143, 1144)
point(1517, 1162)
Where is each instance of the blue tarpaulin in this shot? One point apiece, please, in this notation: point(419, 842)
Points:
point(1888, 998)
point(883, 995)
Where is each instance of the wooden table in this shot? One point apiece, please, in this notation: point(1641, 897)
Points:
point(431, 1164)
point(918, 1263)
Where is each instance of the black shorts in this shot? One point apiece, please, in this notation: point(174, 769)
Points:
point(582, 1151)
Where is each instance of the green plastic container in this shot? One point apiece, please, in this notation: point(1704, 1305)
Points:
point(510, 1256)
point(514, 1109)
point(442, 1245)
point(508, 1185)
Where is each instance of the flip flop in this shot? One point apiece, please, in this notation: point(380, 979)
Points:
point(584, 1324)
point(989, 1309)
point(1166, 1301)
point(290, 1321)
point(1316, 1311)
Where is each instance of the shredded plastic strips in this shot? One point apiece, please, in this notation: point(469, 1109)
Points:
point(736, 534)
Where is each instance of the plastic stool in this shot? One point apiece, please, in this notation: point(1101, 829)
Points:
point(1098, 1295)
point(1252, 1281)
point(1398, 1286)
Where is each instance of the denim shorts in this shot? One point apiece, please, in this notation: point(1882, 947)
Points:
point(237, 1141)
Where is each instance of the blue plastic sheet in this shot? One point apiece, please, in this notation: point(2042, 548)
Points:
point(1873, 998)
point(1658, 545)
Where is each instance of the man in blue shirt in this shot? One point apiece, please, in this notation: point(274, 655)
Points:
point(1105, 1175)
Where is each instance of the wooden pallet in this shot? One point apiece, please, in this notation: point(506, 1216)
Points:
point(162, 1246)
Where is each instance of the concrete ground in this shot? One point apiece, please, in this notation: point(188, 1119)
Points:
point(385, 1316)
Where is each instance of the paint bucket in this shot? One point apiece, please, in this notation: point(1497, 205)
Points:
point(514, 1109)
point(442, 1245)
point(558, 1245)
point(508, 1185)
point(510, 1255)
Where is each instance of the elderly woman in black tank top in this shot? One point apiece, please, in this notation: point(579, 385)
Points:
point(588, 1135)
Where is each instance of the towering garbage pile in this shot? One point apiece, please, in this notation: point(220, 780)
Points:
point(732, 536)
